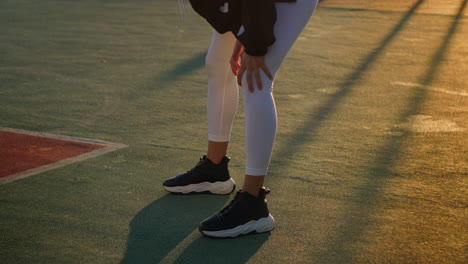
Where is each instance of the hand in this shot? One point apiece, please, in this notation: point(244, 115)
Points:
point(236, 54)
point(252, 65)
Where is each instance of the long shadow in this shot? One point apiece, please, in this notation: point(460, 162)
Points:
point(182, 69)
point(307, 132)
point(157, 230)
point(388, 154)
point(165, 78)
point(238, 250)
point(159, 227)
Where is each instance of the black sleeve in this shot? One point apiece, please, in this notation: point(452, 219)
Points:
point(258, 19)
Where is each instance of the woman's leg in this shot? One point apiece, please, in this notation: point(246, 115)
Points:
point(248, 212)
point(223, 95)
point(259, 106)
point(211, 173)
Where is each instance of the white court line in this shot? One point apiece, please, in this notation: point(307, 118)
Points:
point(108, 147)
point(435, 89)
point(175, 253)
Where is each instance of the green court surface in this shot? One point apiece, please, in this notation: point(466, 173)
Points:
point(370, 163)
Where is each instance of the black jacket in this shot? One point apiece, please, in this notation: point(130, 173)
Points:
point(251, 21)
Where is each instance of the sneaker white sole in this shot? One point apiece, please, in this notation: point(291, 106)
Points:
point(261, 225)
point(225, 187)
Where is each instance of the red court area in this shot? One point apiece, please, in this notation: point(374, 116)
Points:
point(20, 152)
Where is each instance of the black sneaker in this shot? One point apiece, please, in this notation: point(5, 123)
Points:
point(204, 177)
point(245, 214)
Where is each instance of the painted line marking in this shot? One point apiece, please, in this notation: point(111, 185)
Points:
point(107, 147)
point(426, 123)
point(431, 88)
point(177, 251)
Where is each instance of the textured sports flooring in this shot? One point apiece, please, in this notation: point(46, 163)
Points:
point(370, 163)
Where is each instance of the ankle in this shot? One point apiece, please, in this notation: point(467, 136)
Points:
point(216, 151)
point(215, 159)
point(253, 184)
point(252, 191)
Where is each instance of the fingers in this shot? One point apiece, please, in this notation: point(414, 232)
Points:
point(236, 54)
point(266, 71)
point(258, 79)
point(233, 67)
point(240, 74)
point(249, 81)
point(251, 66)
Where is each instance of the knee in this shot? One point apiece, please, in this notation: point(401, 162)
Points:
point(211, 63)
point(214, 64)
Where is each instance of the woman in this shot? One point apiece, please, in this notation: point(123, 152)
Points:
point(247, 49)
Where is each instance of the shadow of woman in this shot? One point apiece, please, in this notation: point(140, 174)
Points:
point(163, 224)
point(159, 227)
point(227, 250)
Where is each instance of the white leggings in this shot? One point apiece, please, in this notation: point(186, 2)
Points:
point(259, 106)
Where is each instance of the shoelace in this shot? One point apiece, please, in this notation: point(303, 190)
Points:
point(236, 200)
point(231, 204)
point(196, 166)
